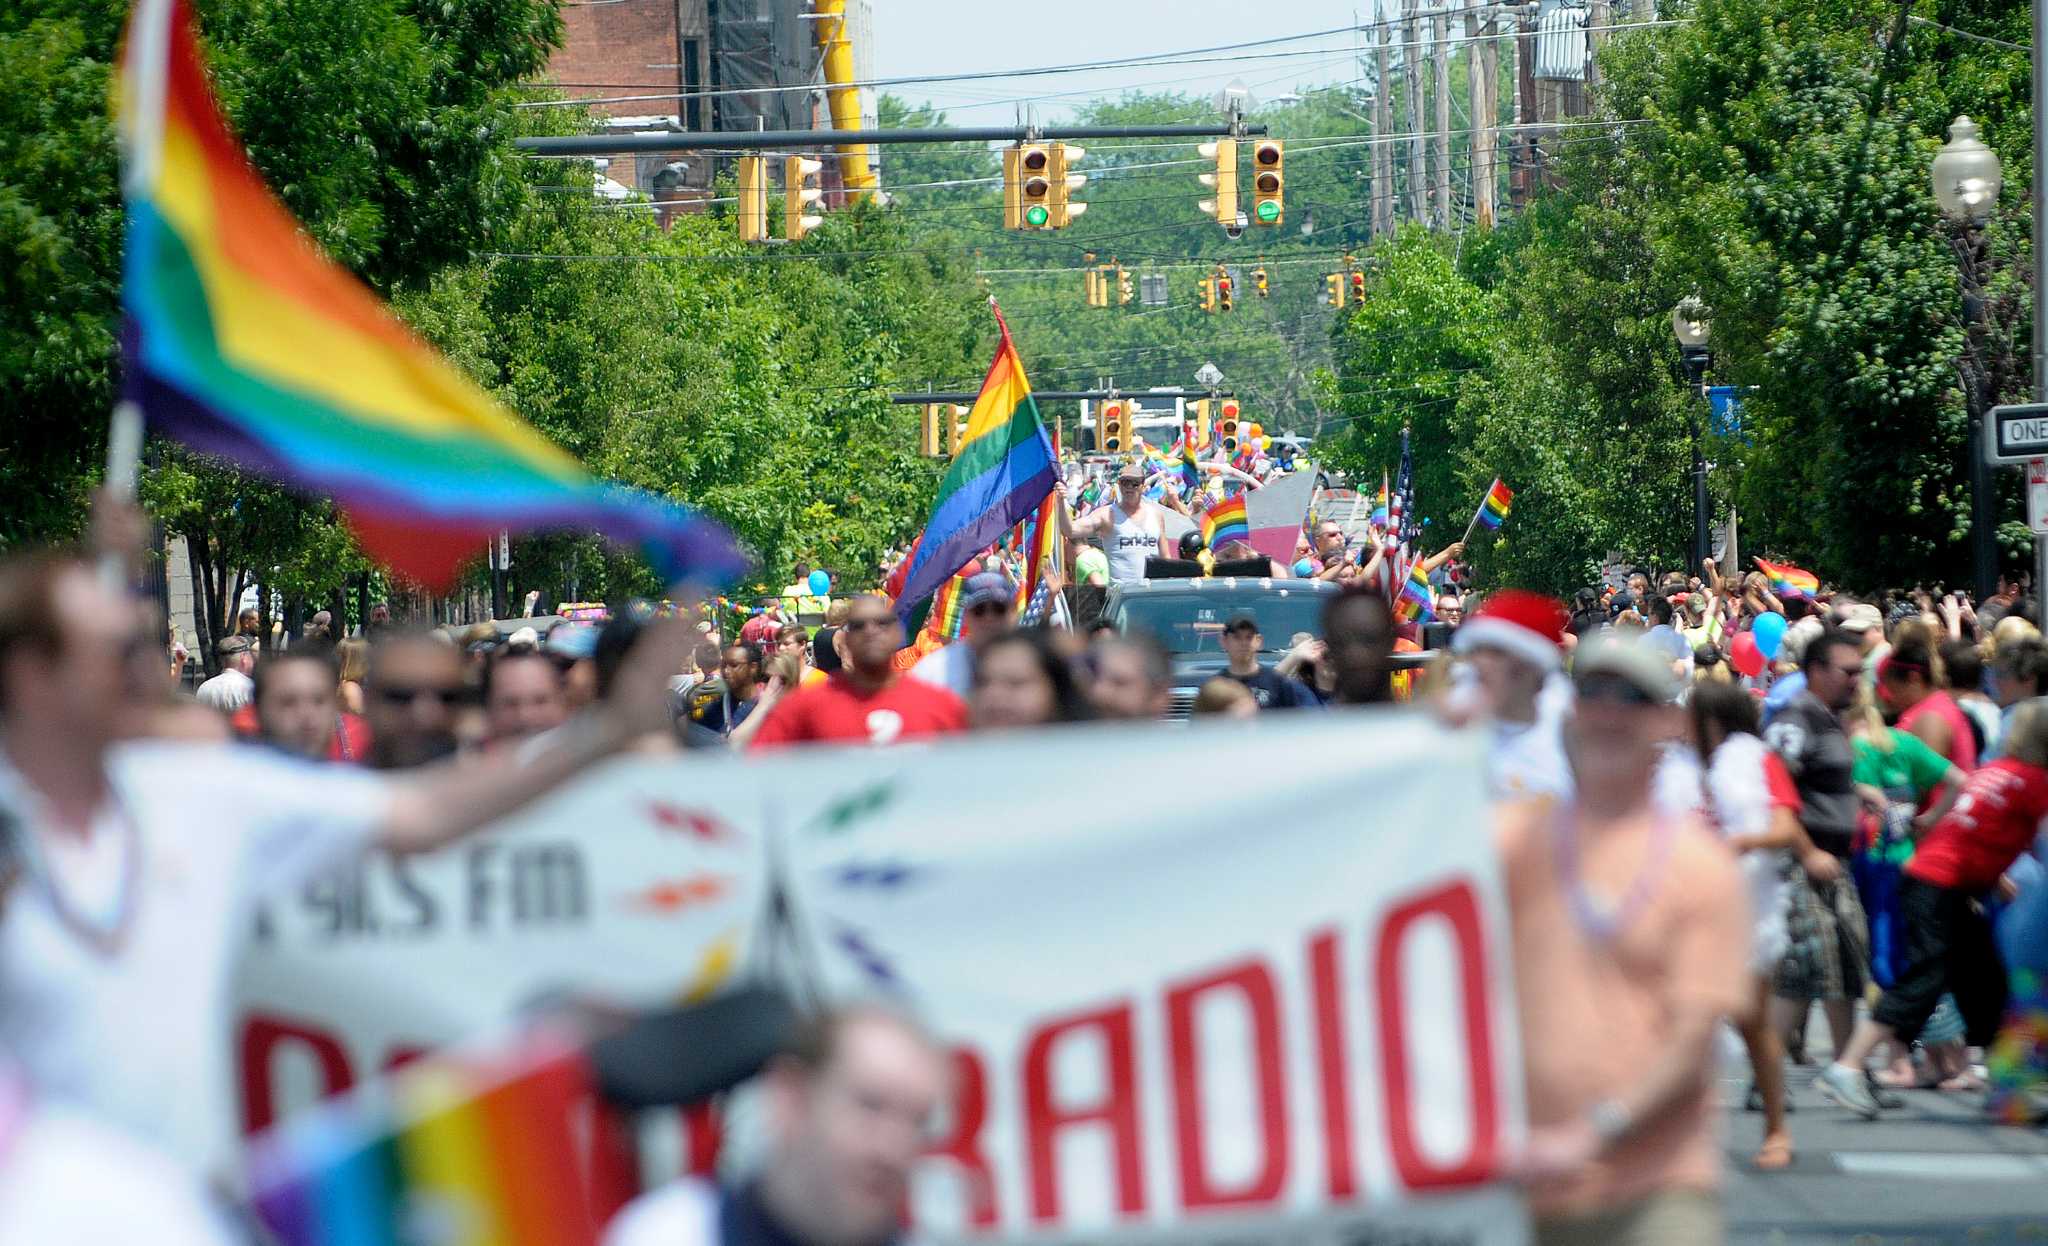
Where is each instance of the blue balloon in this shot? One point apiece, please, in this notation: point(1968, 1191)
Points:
point(820, 583)
point(1770, 634)
point(1304, 568)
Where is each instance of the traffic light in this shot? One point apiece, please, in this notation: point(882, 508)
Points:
point(1226, 425)
point(1259, 282)
point(753, 198)
point(1111, 433)
point(1267, 181)
point(1357, 286)
point(798, 196)
point(1208, 294)
point(1027, 167)
point(1063, 184)
point(956, 426)
point(1223, 284)
point(1091, 280)
point(928, 436)
point(1223, 181)
point(1201, 441)
point(1125, 291)
point(1334, 295)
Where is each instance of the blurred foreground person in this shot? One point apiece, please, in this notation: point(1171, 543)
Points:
point(523, 696)
point(1133, 678)
point(849, 1108)
point(1023, 680)
point(868, 700)
point(1358, 641)
point(137, 865)
point(1630, 940)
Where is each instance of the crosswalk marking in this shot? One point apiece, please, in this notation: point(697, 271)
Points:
point(1942, 1166)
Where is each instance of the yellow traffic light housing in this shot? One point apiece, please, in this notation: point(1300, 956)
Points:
point(1269, 157)
point(753, 207)
point(1357, 286)
point(1063, 183)
point(1334, 295)
point(1112, 434)
point(798, 195)
point(1201, 441)
point(1208, 294)
point(1259, 282)
point(1034, 186)
point(1223, 290)
point(1223, 205)
point(1226, 424)
point(1125, 289)
point(928, 435)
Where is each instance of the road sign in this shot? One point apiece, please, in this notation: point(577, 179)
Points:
point(2037, 496)
point(2016, 432)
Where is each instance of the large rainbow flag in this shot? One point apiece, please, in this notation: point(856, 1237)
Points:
point(241, 339)
point(1225, 522)
point(1003, 472)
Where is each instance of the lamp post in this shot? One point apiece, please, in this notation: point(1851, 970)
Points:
point(1690, 326)
point(1966, 185)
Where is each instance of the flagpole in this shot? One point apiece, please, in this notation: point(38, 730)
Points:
point(1474, 524)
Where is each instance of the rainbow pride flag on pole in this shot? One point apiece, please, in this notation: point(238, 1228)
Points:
point(1788, 580)
point(1002, 474)
point(241, 339)
point(1225, 522)
point(1413, 603)
point(1494, 508)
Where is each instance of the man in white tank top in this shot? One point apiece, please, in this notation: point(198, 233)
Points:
point(1131, 528)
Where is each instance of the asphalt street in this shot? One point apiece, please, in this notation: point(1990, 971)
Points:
point(1930, 1172)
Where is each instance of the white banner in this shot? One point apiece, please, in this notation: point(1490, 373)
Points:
point(1269, 999)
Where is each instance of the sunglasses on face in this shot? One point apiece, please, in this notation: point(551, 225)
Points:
point(1613, 690)
point(401, 695)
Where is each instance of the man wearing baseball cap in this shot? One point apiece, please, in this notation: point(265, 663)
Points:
point(1630, 935)
point(1513, 651)
point(988, 609)
point(1131, 529)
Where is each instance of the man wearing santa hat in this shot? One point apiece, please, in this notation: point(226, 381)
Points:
point(1513, 652)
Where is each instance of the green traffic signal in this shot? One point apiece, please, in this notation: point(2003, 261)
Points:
point(1269, 211)
point(1036, 216)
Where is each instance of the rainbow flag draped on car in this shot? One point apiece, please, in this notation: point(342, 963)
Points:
point(239, 338)
point(1003, 472)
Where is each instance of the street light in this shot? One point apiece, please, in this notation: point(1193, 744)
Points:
point(1966, 185)
point(1689, 324)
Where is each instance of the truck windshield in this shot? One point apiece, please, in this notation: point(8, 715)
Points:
point(1192, 623)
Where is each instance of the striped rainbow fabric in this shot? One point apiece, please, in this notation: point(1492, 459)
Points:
point(1788, 580)
point(241, 339)
point(1003, 473)
point(1225, 522)
point(1413, 604)
point(483, 1147)
point(1494, 507)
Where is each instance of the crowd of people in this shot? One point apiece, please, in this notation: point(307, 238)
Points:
point(1688, 836)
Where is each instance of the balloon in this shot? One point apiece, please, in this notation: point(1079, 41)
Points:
point(1257, 430)
point(1304, 569)
point(1746, 657)
point(820, 582)
point(1769, 630)
point(1265, 443)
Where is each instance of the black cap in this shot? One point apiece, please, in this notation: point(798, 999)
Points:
point(1240, 621)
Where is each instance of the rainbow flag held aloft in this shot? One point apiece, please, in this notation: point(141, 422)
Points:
point(1413, 603)
point(1002, 474)
point(1493, 508)
point(485, 1146)
point(1225, 522)
point(1788, 580)
point(1190, 467)
point(241, 339)
point(1379, 505)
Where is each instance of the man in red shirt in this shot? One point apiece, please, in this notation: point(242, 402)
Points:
point(1947, 938)
point(868, 699)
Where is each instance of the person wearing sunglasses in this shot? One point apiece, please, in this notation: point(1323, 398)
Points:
point(1131, 529)
point(988, 612)
point(1630, 933)
point(868, 699)
point(413, 691)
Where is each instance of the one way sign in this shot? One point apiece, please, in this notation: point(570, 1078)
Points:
point(2016, 433)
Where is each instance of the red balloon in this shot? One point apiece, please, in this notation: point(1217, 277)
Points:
point(1745, 656)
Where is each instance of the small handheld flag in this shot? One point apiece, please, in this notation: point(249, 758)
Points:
point(1414, 602)
point(1788, 580)
point(1493, 508)
point(1226, 522)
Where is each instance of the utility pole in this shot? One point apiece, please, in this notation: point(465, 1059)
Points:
point(1384, 206)
point(1483, 70)
point(1522, 182)
point(1597, 18)
point(1418, 141)
point(1440, 52)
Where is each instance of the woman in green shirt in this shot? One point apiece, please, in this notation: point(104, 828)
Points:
point(1907, 787)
